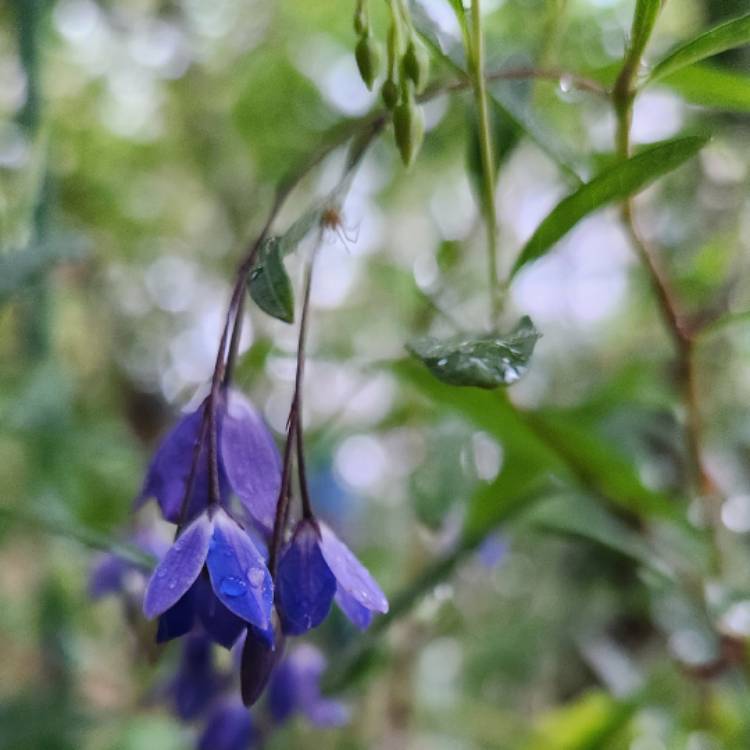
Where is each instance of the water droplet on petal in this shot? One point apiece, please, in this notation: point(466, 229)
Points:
point(172, 584)
point(256, 577)
point(161, 573)
point(232, 586)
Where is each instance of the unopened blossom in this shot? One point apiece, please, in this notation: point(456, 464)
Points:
point(248, 463)
point(316, 568)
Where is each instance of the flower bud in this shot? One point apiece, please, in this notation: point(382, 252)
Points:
point(389, 92)
point(368, 58)
point(361, 26)
point(408, 123)
point(416, 64)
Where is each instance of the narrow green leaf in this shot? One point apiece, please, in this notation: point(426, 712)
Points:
point(734, 33)
point(711, 87)
point(581, 516)
point(269, 283)
point(644, 20)
point(541, 443)
point(616, 183)
point(486, 361)
point(74, 530)
point(290, 240)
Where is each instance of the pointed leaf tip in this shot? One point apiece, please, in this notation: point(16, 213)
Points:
point(618, 182)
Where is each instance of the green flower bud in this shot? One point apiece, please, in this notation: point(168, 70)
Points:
point(361, 25)
point(368, 58)
point(408, 123)
point(389, 92)
point(416, 64)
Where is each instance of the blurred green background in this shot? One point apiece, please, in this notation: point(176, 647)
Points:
point(141, 142)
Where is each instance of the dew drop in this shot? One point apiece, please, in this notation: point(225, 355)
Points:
point(172, 584)
point(232, 586)
point(255, 576)
point(161, 573)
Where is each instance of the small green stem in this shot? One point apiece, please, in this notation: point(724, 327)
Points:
point(476, 55)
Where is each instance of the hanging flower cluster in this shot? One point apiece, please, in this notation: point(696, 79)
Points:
point(215, 578)
point(245, 571)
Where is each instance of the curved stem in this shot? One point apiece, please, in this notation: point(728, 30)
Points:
point(299, 384)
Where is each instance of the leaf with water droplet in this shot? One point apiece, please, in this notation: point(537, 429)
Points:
point(486, 361)
point(269, 283)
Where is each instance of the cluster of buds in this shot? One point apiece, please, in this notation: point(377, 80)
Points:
point(408, 70)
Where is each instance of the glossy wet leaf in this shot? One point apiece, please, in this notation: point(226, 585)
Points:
point(269, 283)
point(734, 33)
point(485, 361)
point(618, 182)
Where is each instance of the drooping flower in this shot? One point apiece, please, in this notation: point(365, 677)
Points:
point(197, 682)
point(315, 568)
point(295, 687)
point(306, 586)
point(237, 578)
point(114, 573)
point(229, 727)
point(248, 463)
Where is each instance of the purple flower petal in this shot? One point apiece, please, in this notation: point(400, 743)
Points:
point(250, 458)
point(168, 473)
point(305, 585)
point(352, 577)
point(325, 712)
point(239, 576)
point(197, 681)
point(295, 686)
point(177, 572)
point(230, 727)
point(357, 614)
point(107, 575)
point(258, 659)
point(223, 626)
point(177, 620)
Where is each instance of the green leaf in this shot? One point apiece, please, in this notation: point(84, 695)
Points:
point(644, 20)
point(734, 33)
point(616, 183)
point(269, 283)
point(539, 443)
point(711, 87)
point(582, 517)
point(485, 361)
point(290, 240)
